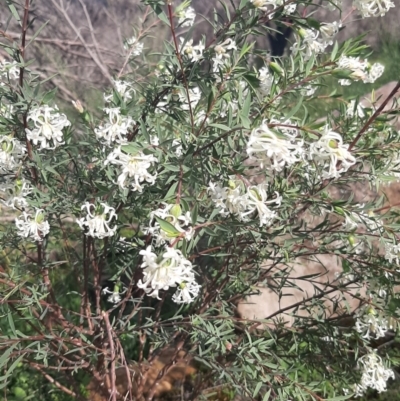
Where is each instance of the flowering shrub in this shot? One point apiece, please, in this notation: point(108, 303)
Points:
point(196, 186)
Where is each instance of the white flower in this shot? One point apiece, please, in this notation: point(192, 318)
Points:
point(309, 43)
point(123, 88)
point(330, 148)
point(266, 80)
point(392, 252)
point(351, 107)
point(194, 96)
point(221, 51)
point(134, 168)
point(308, 90)
point(262, 4)
point(375, 71)
point(115, 295)
point(15, 193)
point(154, 140)
point(133, 46)
point(97, 220)
point(187, 17)
point(374, 374)
point(194, 53)
point(177, 144)
point(329, 31)
point(371, 323)
point(350, 223)
point(187, 291)
point(117, 128)
point(48, 126)
point(257, 202)
point(12, 152)
point(290, 8)
point(173, 215)
point(6, 110)
point(361, 70)
point(8, 70)
point(274, 149)
point(170, 269)
point(36, 228)
point(229, 199)
point(373, 8)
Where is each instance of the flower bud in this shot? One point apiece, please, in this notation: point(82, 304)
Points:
point(275, 67)
point(333, 144)
point(40, 217)
point(78, 106)
point(176, 211)
point(351, 239)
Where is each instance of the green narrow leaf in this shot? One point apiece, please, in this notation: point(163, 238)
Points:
point(295, 109)
point(334, 51)
point(171, 192)
point(14, 11)
point(143, 129)
point(195, 212)
point(36, 34)
point(167, 227)
point(257, 389)
point(11, 324)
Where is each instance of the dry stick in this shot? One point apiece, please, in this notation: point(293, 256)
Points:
point(85, 305)
point(55, 382)
point(374, 116)
point(113, 389)
point(127, 371)
point(63, 12)
point(89, 21)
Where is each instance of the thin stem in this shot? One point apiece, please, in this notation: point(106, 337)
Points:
point(178, 55)
point(374, 116)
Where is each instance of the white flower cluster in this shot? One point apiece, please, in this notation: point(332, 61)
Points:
point(312, 42)
point(14, 193)
point(97, 220)
point(194, 53)
point(12, 151)
point(244, 203)
point(116, 128)
point(170, 269)
point(134, 168)
point(374, 374)
point(371, 324)
point(186, 16)
point(48, 125)
point(274, 149)
point(373, 8)
point(133, 46)
point(361, 70)
point(36, 228)
point(331, 149)
point(174, 216)
point(279, 147)
point(8, 70)
point(123, 88)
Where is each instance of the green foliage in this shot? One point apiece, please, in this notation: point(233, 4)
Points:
point(139, 231)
